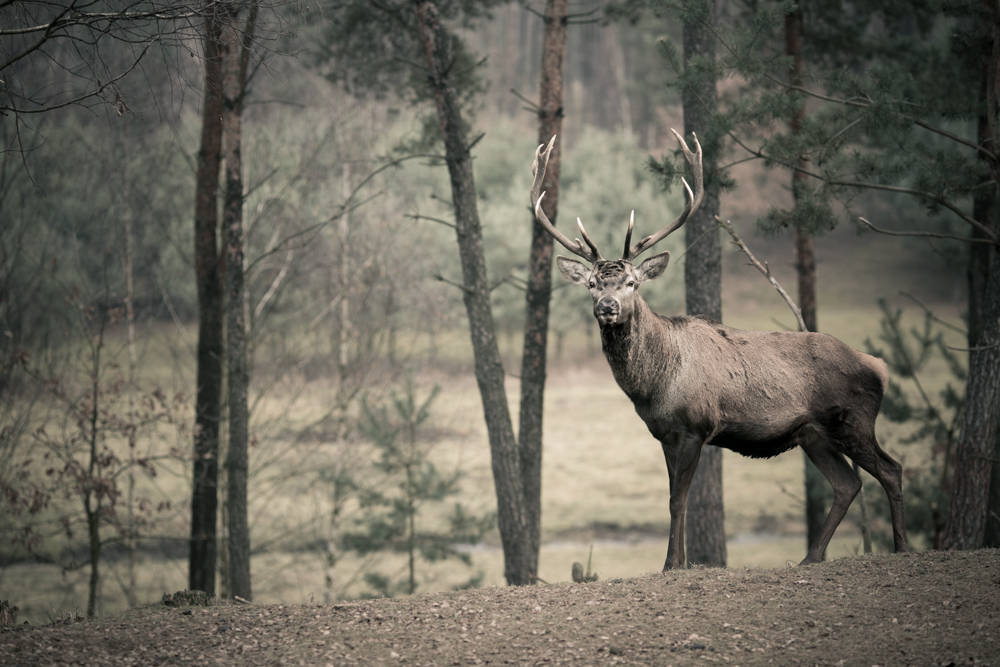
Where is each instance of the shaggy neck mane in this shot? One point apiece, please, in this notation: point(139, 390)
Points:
point(624, 347)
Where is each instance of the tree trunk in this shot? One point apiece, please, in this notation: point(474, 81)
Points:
point(476, 295)
point(236, 326)
point(94, 542)
point(539, 291)
point(966, 524)
point(991, 538)
point(345, 299)
point(974, 451)
point(209, 267)
point(805, 266)
point(92, 504)
point(705, 531)
point(131, 543)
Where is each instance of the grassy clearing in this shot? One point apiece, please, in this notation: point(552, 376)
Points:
point(604, 479)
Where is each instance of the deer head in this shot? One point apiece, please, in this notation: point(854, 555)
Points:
point(613, 284)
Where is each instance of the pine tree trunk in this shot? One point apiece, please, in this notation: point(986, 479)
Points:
point(91, 499)
point(236, 326)
point(131, 543)
point(94, 542)
point(539, 291)
point(209, 268)
point(991, 537)
point(805, 265)
point(974, 451)
point(518, 563)
point(985, 208)
point(705, 528)
point(966, 524)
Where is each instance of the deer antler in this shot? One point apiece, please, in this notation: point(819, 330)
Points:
point(589, 253)
point(693, 202)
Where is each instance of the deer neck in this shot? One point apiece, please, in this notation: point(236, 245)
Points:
point(632, 349)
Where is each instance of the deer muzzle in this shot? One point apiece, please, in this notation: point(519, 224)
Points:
point(607, 310)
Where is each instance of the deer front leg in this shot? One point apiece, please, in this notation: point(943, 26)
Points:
point(682, 453)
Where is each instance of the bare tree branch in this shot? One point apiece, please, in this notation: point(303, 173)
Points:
point(933, 235)
point(763, 268)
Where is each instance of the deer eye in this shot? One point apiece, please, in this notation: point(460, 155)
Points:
point(631, 283)
point(592, 284)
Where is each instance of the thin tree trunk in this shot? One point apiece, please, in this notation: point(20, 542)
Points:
point(965, 527)
point(476, 295)
point(617, 54)
point(805, 266)
point(94, 540)
point(345, 301)
point(209, 270)
point(705, 530)
point(343, 391)
point(236, 326)
point(92, 505)
point(539, 290)
point(130, 544)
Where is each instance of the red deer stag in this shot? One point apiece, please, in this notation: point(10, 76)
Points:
point(696, 382)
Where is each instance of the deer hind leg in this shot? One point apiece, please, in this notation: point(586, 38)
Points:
point(845, 485)
point(682, 453)
point(889, 473)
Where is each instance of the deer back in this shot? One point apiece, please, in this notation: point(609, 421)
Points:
point(696, 375)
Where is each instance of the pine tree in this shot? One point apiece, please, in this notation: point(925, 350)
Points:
point(395, 505)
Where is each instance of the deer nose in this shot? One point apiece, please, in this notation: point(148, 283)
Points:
point(607, 307)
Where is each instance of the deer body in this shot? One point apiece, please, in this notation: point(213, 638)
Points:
point(742, 389)
point(695, 382)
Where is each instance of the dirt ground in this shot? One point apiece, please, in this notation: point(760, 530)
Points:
point(929, 608)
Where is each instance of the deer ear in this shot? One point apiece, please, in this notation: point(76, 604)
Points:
point(572, 270)
point(652, 267)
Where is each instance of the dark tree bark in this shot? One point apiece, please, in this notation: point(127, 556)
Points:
point(511, 516)
point(985, 208)
point(539, 291)
point(991, 538)
point(705, 530)
point(966, 524)
point(965, 527)
point(209, 268)
point(805, 266)
point(233, 84)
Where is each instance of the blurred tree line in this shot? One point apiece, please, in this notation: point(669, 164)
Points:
point(346, 234)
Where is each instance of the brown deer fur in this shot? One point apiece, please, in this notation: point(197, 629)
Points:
point(695, 382)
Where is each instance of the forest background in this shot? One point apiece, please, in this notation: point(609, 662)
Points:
point(353, 317)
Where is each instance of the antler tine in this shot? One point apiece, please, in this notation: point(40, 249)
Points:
point(693, 198)
point(593, 248)
point(628, 235)
point(538, 171)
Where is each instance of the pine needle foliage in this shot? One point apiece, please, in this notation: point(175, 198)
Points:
point(374, 49)
point(398, 507)
point(891, 93)
point(935, 420)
